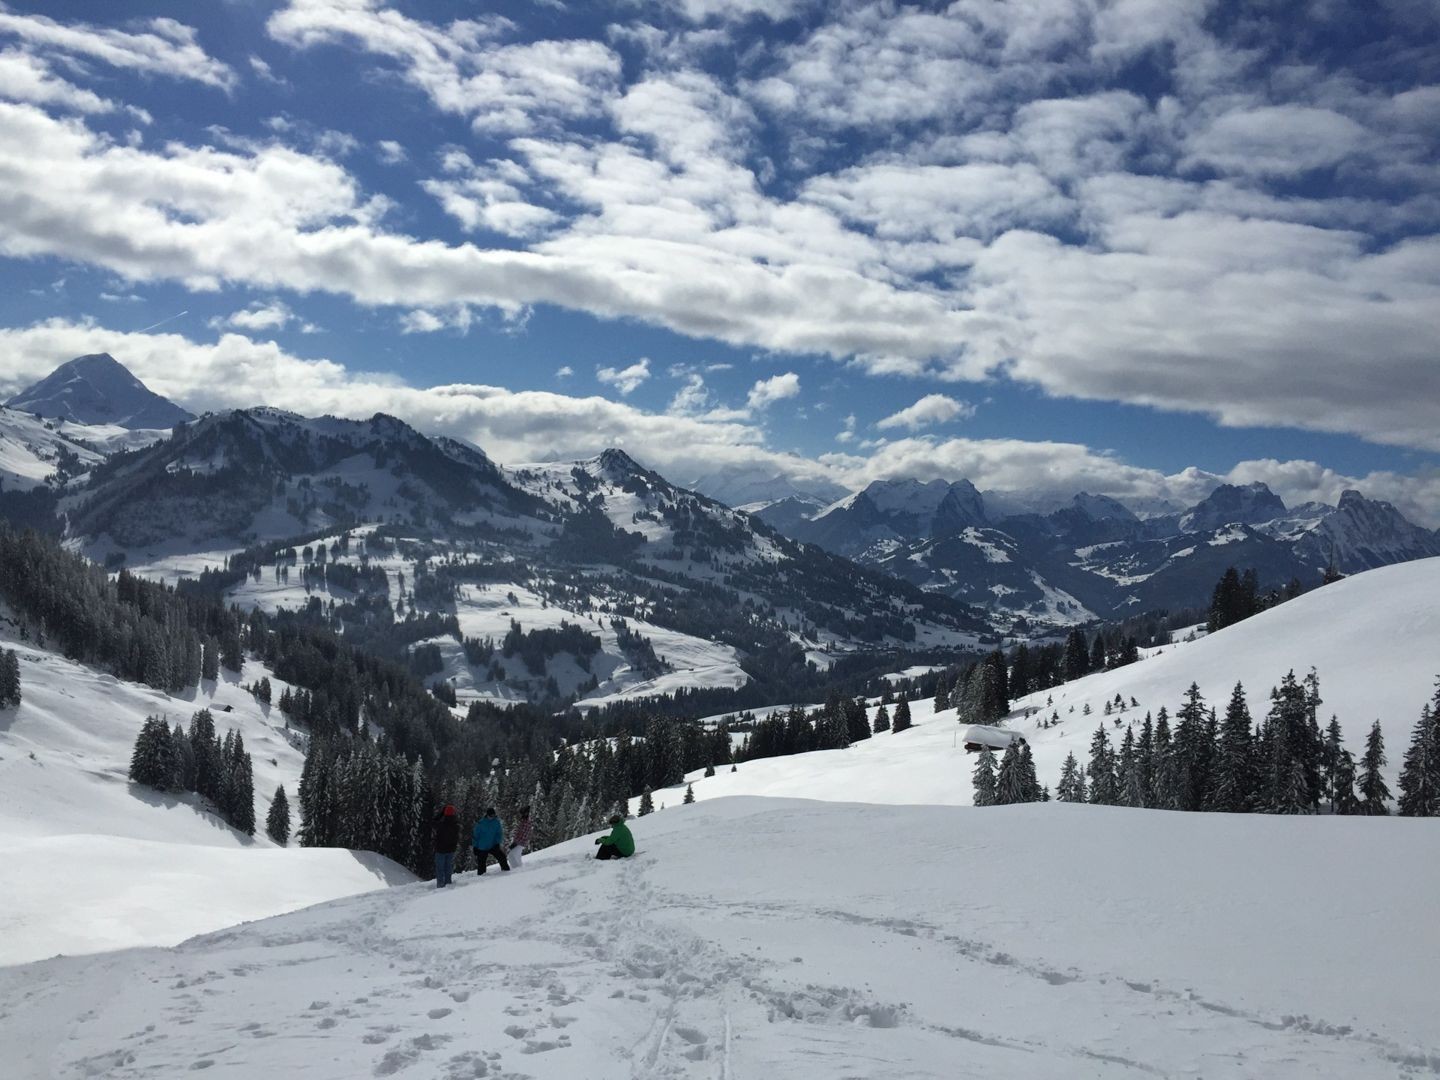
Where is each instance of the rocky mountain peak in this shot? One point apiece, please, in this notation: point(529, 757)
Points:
point(98, 389)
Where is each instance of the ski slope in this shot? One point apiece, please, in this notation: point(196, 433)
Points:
point(93, 862)
point(754, 938)
point(1374, 639)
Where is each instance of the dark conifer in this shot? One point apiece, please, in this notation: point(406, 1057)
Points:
point(9, 679)
point(1235, 771)
point(1374, 793)
point(882, 719)
point(647, 803)
point(1071, 788)
point(902, 717)
point(1420, 771)
point(985, 780)
point(689, 794)
point(277, 821)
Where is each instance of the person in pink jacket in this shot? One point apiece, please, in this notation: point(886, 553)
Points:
point(520, 838)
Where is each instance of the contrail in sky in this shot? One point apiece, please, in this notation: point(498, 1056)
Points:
point(162, 322)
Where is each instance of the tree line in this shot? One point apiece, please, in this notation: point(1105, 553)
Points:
point(199, 761)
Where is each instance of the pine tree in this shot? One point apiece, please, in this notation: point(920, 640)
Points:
point(1011, 786)
point(277, 822)
point(710, 770)
point(942, 693)
point(1071, 788)
point(1029, 781)
point(1235, 771)
point(1193, 752)
point(1420, 772)
point(152, 762)
point(902, 717)
point(1374, 793)
point(882, 720)
point(239, 789)
point(1104, 790)
point(984, 778)
point(9, 679)
point(1132, 792)
point(210, 660)
point(689, 794)
point(647, 803)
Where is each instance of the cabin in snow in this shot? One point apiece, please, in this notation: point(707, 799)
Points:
point(979, 736)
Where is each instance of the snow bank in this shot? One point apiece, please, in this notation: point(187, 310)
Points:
point(775, 938)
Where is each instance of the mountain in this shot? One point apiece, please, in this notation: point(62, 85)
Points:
point(98, 389)
point(1093, 557)
point(35, 451)
point(596, 580)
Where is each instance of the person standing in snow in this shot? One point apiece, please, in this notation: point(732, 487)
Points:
point(619, 844)
point(520, 838)
point(447, 838)
point(485, 840)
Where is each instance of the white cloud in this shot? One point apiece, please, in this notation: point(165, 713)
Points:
point(166, 47)
point(776, 388)
point(690, 398)
point(564, 371)
point(24, 77)
point(390, 151)
point(461, 66)
point(270, 315)
point(930, 409)
point(626, 380)
point(1279, 140)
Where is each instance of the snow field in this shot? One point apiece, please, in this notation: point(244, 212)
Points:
point(1374, 639)
point(100, 863)
point(777, 938)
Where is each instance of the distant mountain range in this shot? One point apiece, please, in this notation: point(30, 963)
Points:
point(1095, 558)
point(904, 561)
point(98, 389)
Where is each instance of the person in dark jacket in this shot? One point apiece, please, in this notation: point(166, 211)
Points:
point(447, 838)
point(619, 844)
point(486, 841)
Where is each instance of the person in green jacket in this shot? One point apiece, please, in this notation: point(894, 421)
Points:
point(619, 844)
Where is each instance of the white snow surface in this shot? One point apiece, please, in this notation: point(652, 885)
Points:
point(754, 938)
point(1373, 638)
point(93, 862)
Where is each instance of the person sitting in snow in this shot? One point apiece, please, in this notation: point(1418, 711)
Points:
point(446, 826)
point(485, 840)
point(619, 844)
point(520, 838)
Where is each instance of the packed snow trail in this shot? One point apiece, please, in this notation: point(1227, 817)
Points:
point(757, 937)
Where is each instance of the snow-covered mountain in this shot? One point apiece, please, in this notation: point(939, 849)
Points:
point(747, 485)
point(673, 589)
point(1093, 557)
point(98, 389)
point(33, 451)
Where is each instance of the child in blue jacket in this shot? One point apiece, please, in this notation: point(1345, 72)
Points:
point(486, 839)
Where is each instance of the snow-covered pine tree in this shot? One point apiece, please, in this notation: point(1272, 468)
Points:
point(277, 821)
point(184, 759)
point(1071, 788)
point(210, 660)
point(206, 748)
point(1104, 789)
point(1192, 753)
point(942, 693)
point(882, 719)
point(902, 716)
point(858, 724)
point(689, 794)
point(152, 761)
point(1145, 762)
point(1290, 756)
point(1420, 771)
point(240, 788)
point(984, 778)
point(1235, 768)
point(1029, 780)
point(9, 679)
point(1127, 772)
point(647, 803)
point(1010, 786)
point(1374, 793)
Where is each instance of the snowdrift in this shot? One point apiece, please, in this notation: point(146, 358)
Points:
point(810, 940)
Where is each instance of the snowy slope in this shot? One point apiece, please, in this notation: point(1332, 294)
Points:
point(755, 938)
point(98, 863)
point(98, 389)
point(1374, 639)
point(31, 448)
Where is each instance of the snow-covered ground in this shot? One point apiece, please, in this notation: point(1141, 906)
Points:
point(94, 862)
point(755, 938)
point(1373, 638)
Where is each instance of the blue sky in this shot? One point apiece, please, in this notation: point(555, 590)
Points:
point(1133, 247)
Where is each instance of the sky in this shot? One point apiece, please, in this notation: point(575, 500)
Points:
point(1135, 247)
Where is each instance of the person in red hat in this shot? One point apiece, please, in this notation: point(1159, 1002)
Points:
point(446, 825)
